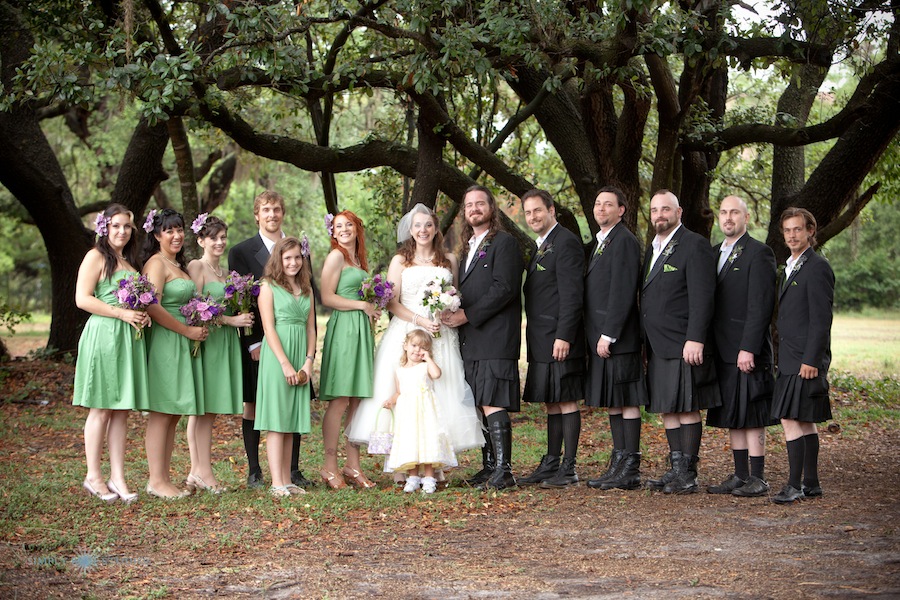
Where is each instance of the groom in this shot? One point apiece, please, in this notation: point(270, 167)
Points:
point(490, 329)
point(250, 256)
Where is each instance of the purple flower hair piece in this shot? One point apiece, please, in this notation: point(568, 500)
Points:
point(329, 224)
point(199, 222)
point(304, 246)
point(101, 225)
point(148, 224)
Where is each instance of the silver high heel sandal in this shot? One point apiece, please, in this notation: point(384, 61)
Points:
point(195, 483)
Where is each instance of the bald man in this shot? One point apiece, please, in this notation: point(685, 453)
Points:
point(677, 292)
point(745, 299)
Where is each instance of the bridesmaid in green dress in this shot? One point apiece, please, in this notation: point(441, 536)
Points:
point(221, 359)
point(348, 349)
point(175, 378)
point(111, 372)
point(283, 392)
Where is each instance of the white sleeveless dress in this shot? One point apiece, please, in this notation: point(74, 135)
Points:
point(451, 390)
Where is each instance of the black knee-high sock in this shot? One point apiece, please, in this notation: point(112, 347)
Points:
point(632, 428)
point(571, 426)
point(796, 450)
point(758, 467)
point(618, 434)
point(554, 434)
point(690, 438)
point(673, 436)
point(811, 460)
point(741, 464)
point(251, 444)
point(295, 453)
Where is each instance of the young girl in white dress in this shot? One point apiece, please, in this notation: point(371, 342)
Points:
point(420, 438)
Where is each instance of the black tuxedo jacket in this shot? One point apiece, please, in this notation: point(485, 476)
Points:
point(492, 298)
point(678, 293)
point(611, 293)
point(553, 296)
point(805, 314)
point(745, 300)
point(250, 256)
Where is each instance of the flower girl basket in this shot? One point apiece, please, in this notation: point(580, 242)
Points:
point(382, 438)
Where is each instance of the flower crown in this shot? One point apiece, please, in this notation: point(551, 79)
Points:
point(148, 223)
point(329, 224)
point(101, 225)
point(199, 222)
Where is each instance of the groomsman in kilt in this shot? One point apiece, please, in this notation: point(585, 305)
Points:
point(676, 311)
point(490, 329)
point(555, 336)
point(745, 299)
point(615, 379)
point(804, 354)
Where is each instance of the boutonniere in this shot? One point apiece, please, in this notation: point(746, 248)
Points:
point(667, 268)
point(482, 248)
point(798, 264)
point(670, 249)
point(734, 254)
point(601, 248)
point(544, 251)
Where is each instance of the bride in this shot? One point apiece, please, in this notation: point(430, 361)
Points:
point(419, 261)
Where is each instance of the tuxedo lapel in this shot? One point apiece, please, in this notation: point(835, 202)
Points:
point(729, 264)
point(261, 256)
point(787, 280)
point(663, 257)
point(595, 256)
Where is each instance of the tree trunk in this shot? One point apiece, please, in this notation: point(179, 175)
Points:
point(431, 150)
point(184, 161)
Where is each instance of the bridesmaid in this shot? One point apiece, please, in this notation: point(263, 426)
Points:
point(175, 378)
point(111, 373)
point(348, 349)
point(222, 376)
point(289, 326)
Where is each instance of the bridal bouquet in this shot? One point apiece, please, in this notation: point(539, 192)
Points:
point(377, 290)
point(136, 293)
point(440, 295)
point(241, 292)
point(202, 311)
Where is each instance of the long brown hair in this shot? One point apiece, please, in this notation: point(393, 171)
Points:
point(408, 248)
point(274, 271)
point(467, 230)
point(130, 251)
point(360, 240)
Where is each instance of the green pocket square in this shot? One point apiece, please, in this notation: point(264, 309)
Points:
point(541, 267)
point(667, 268)
point(793, 283)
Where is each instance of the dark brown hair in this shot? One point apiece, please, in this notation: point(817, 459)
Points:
point(619, 194)
point(129, 252)
point(467, 230)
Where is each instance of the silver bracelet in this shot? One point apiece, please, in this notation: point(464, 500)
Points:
point(415, 319)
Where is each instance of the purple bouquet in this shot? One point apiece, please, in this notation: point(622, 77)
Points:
point(136, 293)
point(241, 292)
point(377, 290)
point(202, 311)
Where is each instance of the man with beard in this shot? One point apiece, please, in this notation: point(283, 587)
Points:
point(745, 299)
point(615, 368)
point(250, 257)
point(490, 329)
point(676, 311)
point(555, 337)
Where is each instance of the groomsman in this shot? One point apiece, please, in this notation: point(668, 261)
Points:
point(676, 311)
point(615, 368)
point(555, 337)
point(490, 329)
point(804, 353)
point(250, 257)
point(745, 299)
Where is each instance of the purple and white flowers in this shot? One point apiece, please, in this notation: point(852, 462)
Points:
point(148, 223)
point(329, 224)
point(377, 290)
point(199, 222)
point(202, 311)
point(241, 292)
point(135, 292)
point(440, 295)
point(101, 225)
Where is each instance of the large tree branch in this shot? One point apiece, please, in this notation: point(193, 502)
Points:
point(848, 216)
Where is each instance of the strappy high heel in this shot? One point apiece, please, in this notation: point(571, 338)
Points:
point(332, 480)
point(358, 479)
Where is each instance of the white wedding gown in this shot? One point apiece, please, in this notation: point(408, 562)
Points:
point(450, 390)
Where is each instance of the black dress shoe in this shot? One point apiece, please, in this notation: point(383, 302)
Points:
point(787, 495)
point(726, 487)
point(299, 480)
point(812, 491)
point(255, 479)
point(753, 488)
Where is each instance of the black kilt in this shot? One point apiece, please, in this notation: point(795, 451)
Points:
point(802, 399)
point(746, 398)
point(615, 382)
point(494, 382)
point(555, 382)
point(677, 387)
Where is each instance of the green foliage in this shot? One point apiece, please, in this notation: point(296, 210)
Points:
point(10, 316)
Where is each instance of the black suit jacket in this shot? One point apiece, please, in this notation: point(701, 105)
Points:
point(804, 316)
point(677, 295)
point(491, 296)
point(250, 256)
point(745, 300)
point(553, 296)
point(611, 293)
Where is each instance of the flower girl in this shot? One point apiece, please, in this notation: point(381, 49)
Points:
point(420, 438)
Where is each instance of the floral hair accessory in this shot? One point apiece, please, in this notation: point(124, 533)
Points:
point(304, 245)
point(198, 223)
point(329, 224)
point(148, 224)
point(101, 225)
